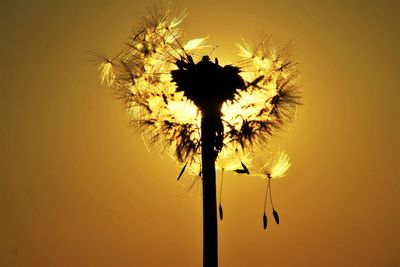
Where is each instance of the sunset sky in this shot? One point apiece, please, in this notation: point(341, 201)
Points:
point(79, 188)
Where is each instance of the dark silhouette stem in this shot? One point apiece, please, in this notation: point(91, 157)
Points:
point(208, 156)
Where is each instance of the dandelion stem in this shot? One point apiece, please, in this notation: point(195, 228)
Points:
point(210, 226)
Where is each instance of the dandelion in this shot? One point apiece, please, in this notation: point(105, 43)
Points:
point(204, 113)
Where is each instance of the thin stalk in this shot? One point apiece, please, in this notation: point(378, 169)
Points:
point(210, 226)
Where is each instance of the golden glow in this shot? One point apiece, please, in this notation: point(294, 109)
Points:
point(183, 111)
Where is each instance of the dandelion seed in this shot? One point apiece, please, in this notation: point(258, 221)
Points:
point(265, 222)
point(106, 73)
point(276, 216)
point(280, 167)
point(244, 51)
point(196, 44)
point(276, 168)
point(182, 171)
point(244, 169)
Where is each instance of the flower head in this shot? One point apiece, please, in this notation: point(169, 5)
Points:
point(166, 90)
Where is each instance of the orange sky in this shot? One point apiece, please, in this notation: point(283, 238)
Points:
point(79, 188)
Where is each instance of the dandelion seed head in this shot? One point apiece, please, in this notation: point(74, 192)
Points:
point(256, 105)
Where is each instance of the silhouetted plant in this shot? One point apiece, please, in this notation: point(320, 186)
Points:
point(206, 113)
